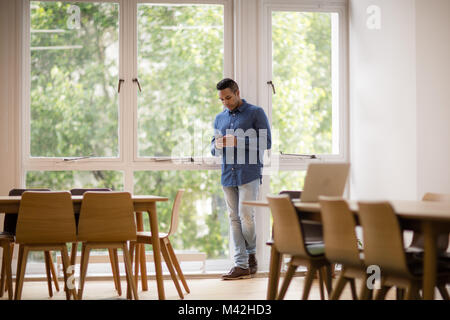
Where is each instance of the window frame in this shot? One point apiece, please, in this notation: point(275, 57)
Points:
point(241, 19)
point(332, 6)
point(128, 160)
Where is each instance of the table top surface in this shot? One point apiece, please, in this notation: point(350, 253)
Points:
point(429, 210)
point(136, 198)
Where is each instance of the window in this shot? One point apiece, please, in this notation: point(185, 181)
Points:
point(121, 94)
point(105, 96)
point(74, 105)
point(304, 70)
point(180, 58)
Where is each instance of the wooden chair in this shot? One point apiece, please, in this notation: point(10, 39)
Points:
point(383, 246)
point(289, 239)
point(312, 232)
point(106, 222)
point(46, 222)
point(166, 248)
point(7, 243)
point(341, 245)
point(9, 228)
point(113, 256)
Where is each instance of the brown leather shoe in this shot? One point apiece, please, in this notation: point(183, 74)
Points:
point(252, 263)
point(237, 273)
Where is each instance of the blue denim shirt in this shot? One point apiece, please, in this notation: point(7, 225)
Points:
point(243, 163)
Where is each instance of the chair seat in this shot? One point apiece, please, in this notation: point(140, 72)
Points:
point(145, 235)
point(315, 249)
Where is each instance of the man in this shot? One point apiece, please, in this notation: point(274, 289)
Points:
point(241, 134)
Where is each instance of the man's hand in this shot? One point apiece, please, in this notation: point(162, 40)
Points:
point(228, 141)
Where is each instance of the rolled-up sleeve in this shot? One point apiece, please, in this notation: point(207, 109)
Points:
point(214, 151)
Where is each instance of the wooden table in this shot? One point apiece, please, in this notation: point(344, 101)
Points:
point(429, 217)
point(142, 203)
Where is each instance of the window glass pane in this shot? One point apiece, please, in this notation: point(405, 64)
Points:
point(66, 180)
point(203, 222)
point(303, 107)
point(180, 60)
point(74, 75)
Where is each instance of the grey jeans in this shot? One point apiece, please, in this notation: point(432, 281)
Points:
point(242, 220)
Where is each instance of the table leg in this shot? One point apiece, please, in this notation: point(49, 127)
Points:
point(430, 260)
point(274, 273)
point(156, 250)
point(140, 258)
point(143, 269)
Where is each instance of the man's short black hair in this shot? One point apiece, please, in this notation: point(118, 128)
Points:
point(227, 83)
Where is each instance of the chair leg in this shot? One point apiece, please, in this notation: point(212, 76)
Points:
point(174, 259)
point(132, 247)
point(85, 251)
point(21, 267)
point(53, 271)
point(69, 287)
point(443, 291)
point(410, 292)
point(399, 293)
point(3, 274)
point(6, 269)
point(321, 280)
point(143, 265)
point(353, 289)
point(49, 276)
point(137, 263)
point(308, 281)
point(172, 271)
point(336, 293)
point(113, 258)
point(287, 280)
point(129, 272)
point(328, 278)
point(73, 254)
point(365, 293)
point(381, 293)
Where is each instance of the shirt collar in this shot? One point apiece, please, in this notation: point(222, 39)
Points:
point(241, 108)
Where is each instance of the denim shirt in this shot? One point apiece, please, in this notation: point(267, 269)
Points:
point(243, 163)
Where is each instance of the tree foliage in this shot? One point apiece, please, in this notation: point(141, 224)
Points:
point(75, 105)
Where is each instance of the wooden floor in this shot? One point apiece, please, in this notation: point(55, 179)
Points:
point(201, 289)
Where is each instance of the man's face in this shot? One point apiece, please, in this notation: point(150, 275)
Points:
point(229, 99)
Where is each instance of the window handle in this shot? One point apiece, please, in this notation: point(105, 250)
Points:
point(139, 85)
point(120, 83)
point(273, 86)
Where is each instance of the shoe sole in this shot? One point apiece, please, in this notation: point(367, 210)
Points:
point(238, 278)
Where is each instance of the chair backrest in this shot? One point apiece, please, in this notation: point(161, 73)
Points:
point(19, 192)
point(293, 194)
point(341, 243)
point(80, 192)
point(287, 232)
point(46, 217)
point(383, 238)
point(174, 220)
point(107, 217)
point(443, 197)
point(10, 220)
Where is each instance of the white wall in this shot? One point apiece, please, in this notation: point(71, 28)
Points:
point(383, 101)
point(433, 95)
point(400, 99)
